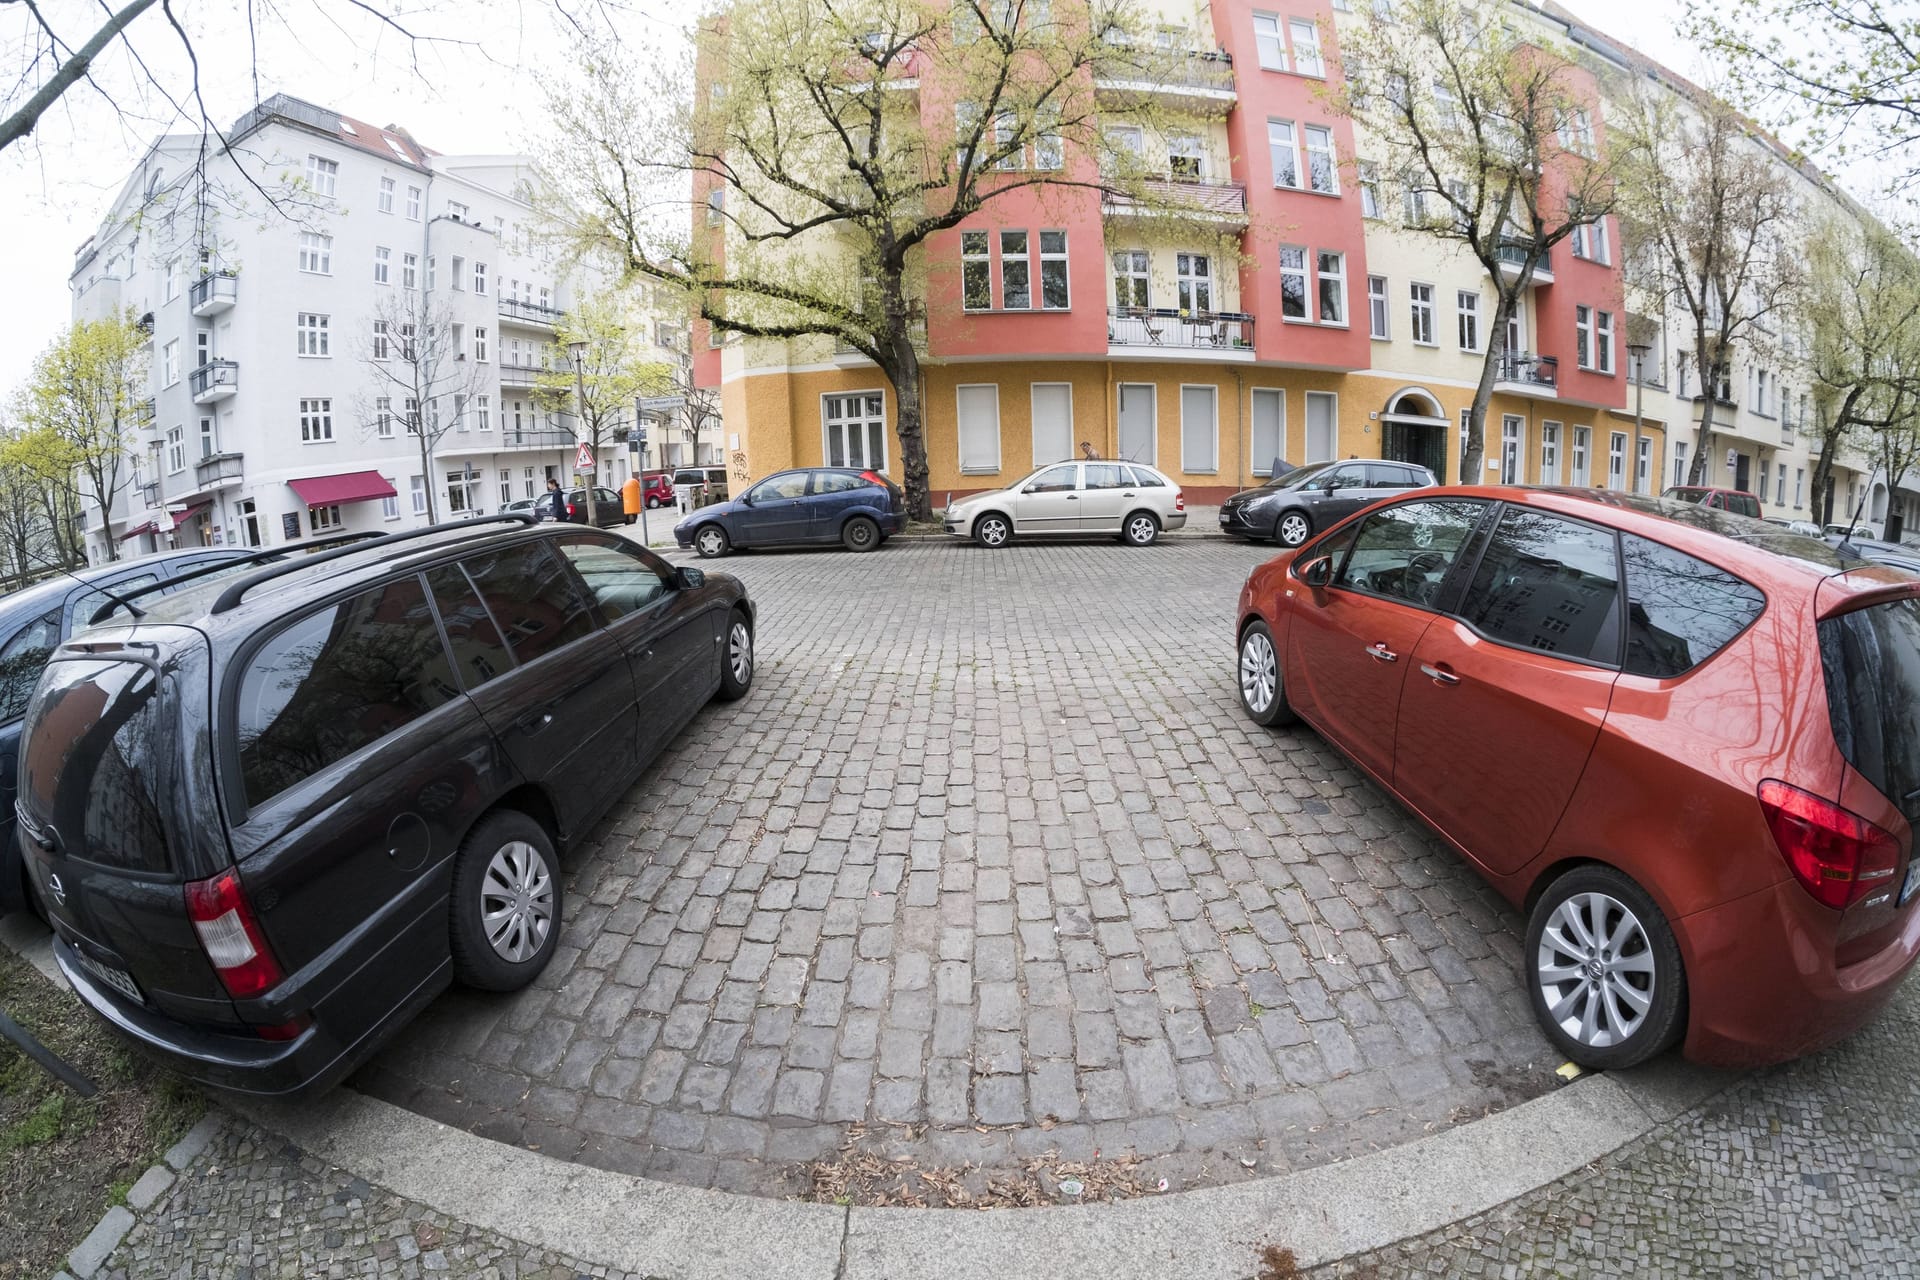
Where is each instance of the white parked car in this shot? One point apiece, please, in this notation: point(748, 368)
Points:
point(1127, 499)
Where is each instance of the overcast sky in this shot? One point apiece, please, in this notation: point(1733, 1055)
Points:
point(473, 96)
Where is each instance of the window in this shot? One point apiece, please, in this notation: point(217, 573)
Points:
point(480, 277)
point(1199, 429)
point(390, 505)
point(1643, 467)
point(622, 580)
point(176, 450)
point(537, 602)
point(1369, 190)
point(406, 345)
point(458, 274)
point(1421, 316)
point(1049, 153)
point(430, 273)
point(1267, 38)
point(979, 427)
point(1282, 153)
point(1016, 284)
point(976, 271)
point(383, 418)
point(1548, 584)
point(1293, 283)
point(409, 270)
point(1056, 480)
point(207, 445)
point(480, 344)
point(1322, 414)
point(1799, 487)
point(457, 339)
point(1186, 157)
point(1779, 486)
point(1582, 443)
point(322, 175)
point(1053, 270)
point(1108, 475)
point(1404, 552)
point(381, 347)
point(23, 658)
point(1130, 279)
point(336, 682)
point(855, 427)
point(1323, 174)
point(1549, 453)
point(459, 411)
point(462, 490)
point(483, 413)
point(311, 335)
point(1467, 306)
point(1415, 201)
point(1679, 461)
point(1377, 322)
point(1512, 428)
point(173, 279)
point(1193, 281)
point(382, 265)
point(1139, 427)
point(419, 486)
point(1306, 47)
point(320, 519)
point(386, 195)
point(1603, 340)
point(1583, 336)
point(170, 363)
point(316, 253)
point(1680, 611)
point(1590, 242)
point(1577, 134)
point(1617, 461)
point(1332, 271)
point(1052, 422)
point(1269, 429)
point(316, 421)
point(966, 119)
point(456, 210)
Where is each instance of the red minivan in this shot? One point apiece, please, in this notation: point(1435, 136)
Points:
point(1685, 743)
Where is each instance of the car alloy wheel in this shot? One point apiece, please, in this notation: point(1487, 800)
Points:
point(992, 531)
point(1595, 967)
point(710, 542)
point(1294, 528)
point(740, 652)
point(1259, 672)
point(1142, 529)
point(516, 901)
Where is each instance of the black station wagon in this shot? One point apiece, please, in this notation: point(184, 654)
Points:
point(273, 816)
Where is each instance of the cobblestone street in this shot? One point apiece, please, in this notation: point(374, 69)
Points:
point(990, 864)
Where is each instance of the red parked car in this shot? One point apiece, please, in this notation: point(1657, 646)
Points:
point(1685, 743)
point(656, 488)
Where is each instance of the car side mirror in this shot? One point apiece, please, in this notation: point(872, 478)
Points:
point(687, 578)
point(746, 499)
point(1319, 573)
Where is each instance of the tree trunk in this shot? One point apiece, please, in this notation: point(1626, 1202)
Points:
point(593, 505)
point(1474, 461)
point(426, 474)
point(903, 370)
point(1710, 389)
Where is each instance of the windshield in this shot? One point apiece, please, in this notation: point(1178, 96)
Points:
point(1297, 477)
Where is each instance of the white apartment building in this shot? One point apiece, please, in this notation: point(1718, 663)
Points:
point(267, 274)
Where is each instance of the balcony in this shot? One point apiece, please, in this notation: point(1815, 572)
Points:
point(217, 471)
point(465, 442)
point(1223, 203)
point(214, 381)
point(1512, 256)
point(520, 375)
point(1163, 332)
point(530, 313)
point(1189, 80)
point(211, 294)
point(1524, 373)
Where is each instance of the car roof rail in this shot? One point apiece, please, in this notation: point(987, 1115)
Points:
point(226, 564)
point(234, 594)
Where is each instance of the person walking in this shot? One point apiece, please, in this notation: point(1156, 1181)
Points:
point(557, 498)
point(630, 498)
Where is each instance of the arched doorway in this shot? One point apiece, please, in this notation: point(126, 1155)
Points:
point(1414, 428)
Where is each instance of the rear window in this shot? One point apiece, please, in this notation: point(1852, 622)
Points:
point(1743, 504)
point(1872, 661)
point(1147, 479)
point(99, 760)
point(1680, 611)
point(23, 657)
point(336, 681)
point(836, 482)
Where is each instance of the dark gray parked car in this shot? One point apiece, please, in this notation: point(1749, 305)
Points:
point(1294, 506)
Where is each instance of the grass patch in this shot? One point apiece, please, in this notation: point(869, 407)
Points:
point(66, 1158)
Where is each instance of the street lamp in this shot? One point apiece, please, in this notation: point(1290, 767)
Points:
point(1637, 358)
point(578, 352)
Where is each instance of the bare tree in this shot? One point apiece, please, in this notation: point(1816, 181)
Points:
point(84, 394)
point(422, 382)
point(1485, 139)
point(827, 147)
point(1708, 213)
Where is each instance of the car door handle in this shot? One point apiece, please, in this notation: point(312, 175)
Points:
point(1382, 653)
point(536, 722)
point(1439, 675)
point(1128, 494)
point(1073, 497)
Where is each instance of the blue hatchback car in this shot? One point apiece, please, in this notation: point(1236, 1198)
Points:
point(811, 506)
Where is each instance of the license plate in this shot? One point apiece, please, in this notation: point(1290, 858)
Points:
point(1912, 884)
point(119, 979)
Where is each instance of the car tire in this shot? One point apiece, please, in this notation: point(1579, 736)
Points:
point(506, 867)
point(1263, 694)
point(711, 541)
point(860, 534)
point(736, 658)
point(1140, 529)
point(1292, 528)
point(653, 503)
point(993, 530)
point(1598, 949)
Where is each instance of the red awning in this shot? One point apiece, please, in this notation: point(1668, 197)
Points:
point(349, 486)
point(182, 517)
point(137, 530)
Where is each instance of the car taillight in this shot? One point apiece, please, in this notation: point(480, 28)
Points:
point(874, 477)
point(1836, 855)
point(231, 937)
point(1179, 499)
point(569, 508)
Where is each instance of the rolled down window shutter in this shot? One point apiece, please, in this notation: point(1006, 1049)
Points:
point(979, 429)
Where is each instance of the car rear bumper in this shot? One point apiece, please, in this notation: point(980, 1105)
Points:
point(893, 522)
point(1762, 985)
point(1176, 520)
